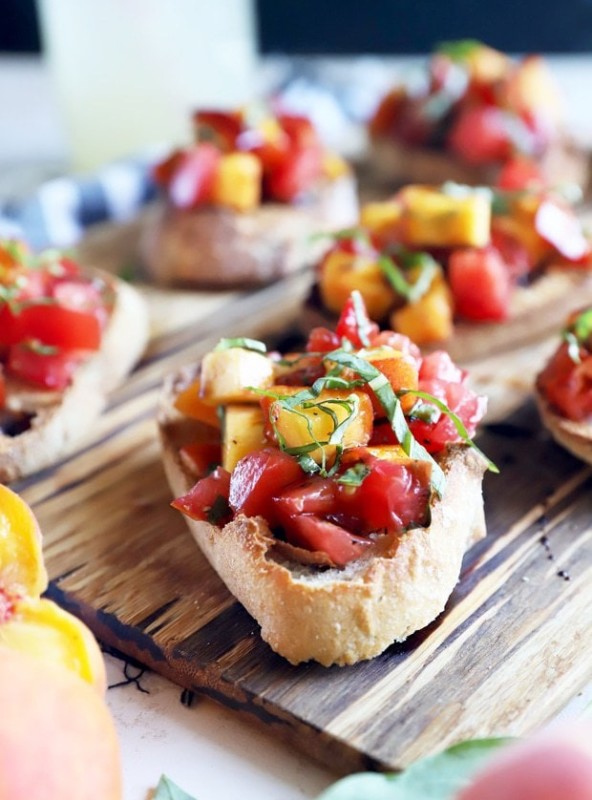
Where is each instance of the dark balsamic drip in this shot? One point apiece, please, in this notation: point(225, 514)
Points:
point(131, 679)
point(544, 540)
point(563, 574)
point(187, 698)
point(14, 424)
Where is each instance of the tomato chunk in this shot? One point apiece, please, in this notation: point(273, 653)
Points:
point(520, 173)
point(300, 168)
point(355, 324)
point(51, 325)
point(322, 340)
point(193, 177)
point(207, 500)
point(257, 478)
point(435, 434)
point(480, 135)
point(315, 496)
point(320, 535)
point(480, 284)
point(567, 385)
point(52, 370)
point(393, 496)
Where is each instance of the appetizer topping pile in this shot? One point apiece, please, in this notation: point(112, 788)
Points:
point(433, 254)
point(566, 381)
point(242, 158)
point(475, 103)
point(337, 447)
point(51, 317)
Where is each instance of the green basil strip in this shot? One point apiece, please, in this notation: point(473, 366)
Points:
point(412, 292)
point(459, 50)
point(357, 234)
point(362, 323)
point(378, 382)
point(167, 790)
point(240, 341)
point(582, 327)
point(354, 476)
point(456, 420)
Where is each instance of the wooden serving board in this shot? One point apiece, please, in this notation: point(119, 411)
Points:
point(510, 650)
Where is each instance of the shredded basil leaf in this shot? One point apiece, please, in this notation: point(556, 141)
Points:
point(167, 790)
point(242, 342)
point(412, 291)
point(379, 383)
point(362, 322)
point(455, 419)
point(354, 476)
point(41, 349)
point(357, 234)
point(459, 50)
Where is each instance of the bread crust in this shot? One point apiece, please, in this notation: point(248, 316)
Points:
point(397, 164)
point(337, 616)
point(216, 247)
point(60, 419)
point(574, 436)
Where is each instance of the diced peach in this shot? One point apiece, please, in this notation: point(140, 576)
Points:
point(237, 183)
point(57, 738)
point(305, 425)
point(188, 402)
point(342, 273)
point(229, 376)
point(401, 371)
point(46, 632)
point(433, 218)
point(532, 88)
point(22, 571)
point(199, 457)
point(429, 319)
point(242, 434)
point(487, 65)
point(381, 218)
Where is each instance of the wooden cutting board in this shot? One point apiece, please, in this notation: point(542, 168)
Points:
point(510, 650)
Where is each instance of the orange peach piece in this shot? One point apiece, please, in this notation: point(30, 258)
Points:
point(188, 402)
point(342, 273)
point(22, 571)
point(237, 183)
point(45, 631)
point(429, 319)
point(555, 765)
point(57, 738)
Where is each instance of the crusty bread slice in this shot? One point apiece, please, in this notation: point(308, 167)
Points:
point(215, 247)
point(57, 420)
point(335, 616)
point(574, 436)
point(396, 164)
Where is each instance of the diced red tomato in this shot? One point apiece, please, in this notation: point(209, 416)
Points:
point(294, 175)
point(355, 325)
point(322, 340)
point(320, 535)
point(51, 325)
point(438, 365)
point(163, 171)
point(200, 457)
point(221, 128)
point(193, 177)
point(52, 370)
point(300, 131)
point(480, 135)
point(315, 496)
point(461, 400)
point(520, 173)
point(398, 341)
point(207, 500)
point(480, 284)
point(2, 388)
point(382, 433)
point(567, 385)
point(513, 253)
point(392, 497)
point(559, 226)
point(258, 478)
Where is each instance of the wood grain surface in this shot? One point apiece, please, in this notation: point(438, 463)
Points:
point(510, 650)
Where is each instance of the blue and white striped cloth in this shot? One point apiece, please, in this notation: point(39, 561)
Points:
point(60, 210)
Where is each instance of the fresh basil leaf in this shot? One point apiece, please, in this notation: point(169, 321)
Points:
point(437, 777)
point(354, 476)
point(394, 275)
point(167, 790)
point(455, 419)
point(582, 327)
point(357, 234)
point(426, 268)
point(459, 50)
point(243, 342)
point(378, 382)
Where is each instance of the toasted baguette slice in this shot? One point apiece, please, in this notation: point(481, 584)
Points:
point(574, 436)
point(57, 420)
point(335, 616)
point(393, 164)
point(216, 247)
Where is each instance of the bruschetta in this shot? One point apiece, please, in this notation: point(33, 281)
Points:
point(474, 115)
point(336, 490)
point(68, 336)
point(564, 387)
point(240, 205)
point(473, 269)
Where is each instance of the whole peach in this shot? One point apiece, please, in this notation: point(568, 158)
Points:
point(57, 738)
point(554, 765)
